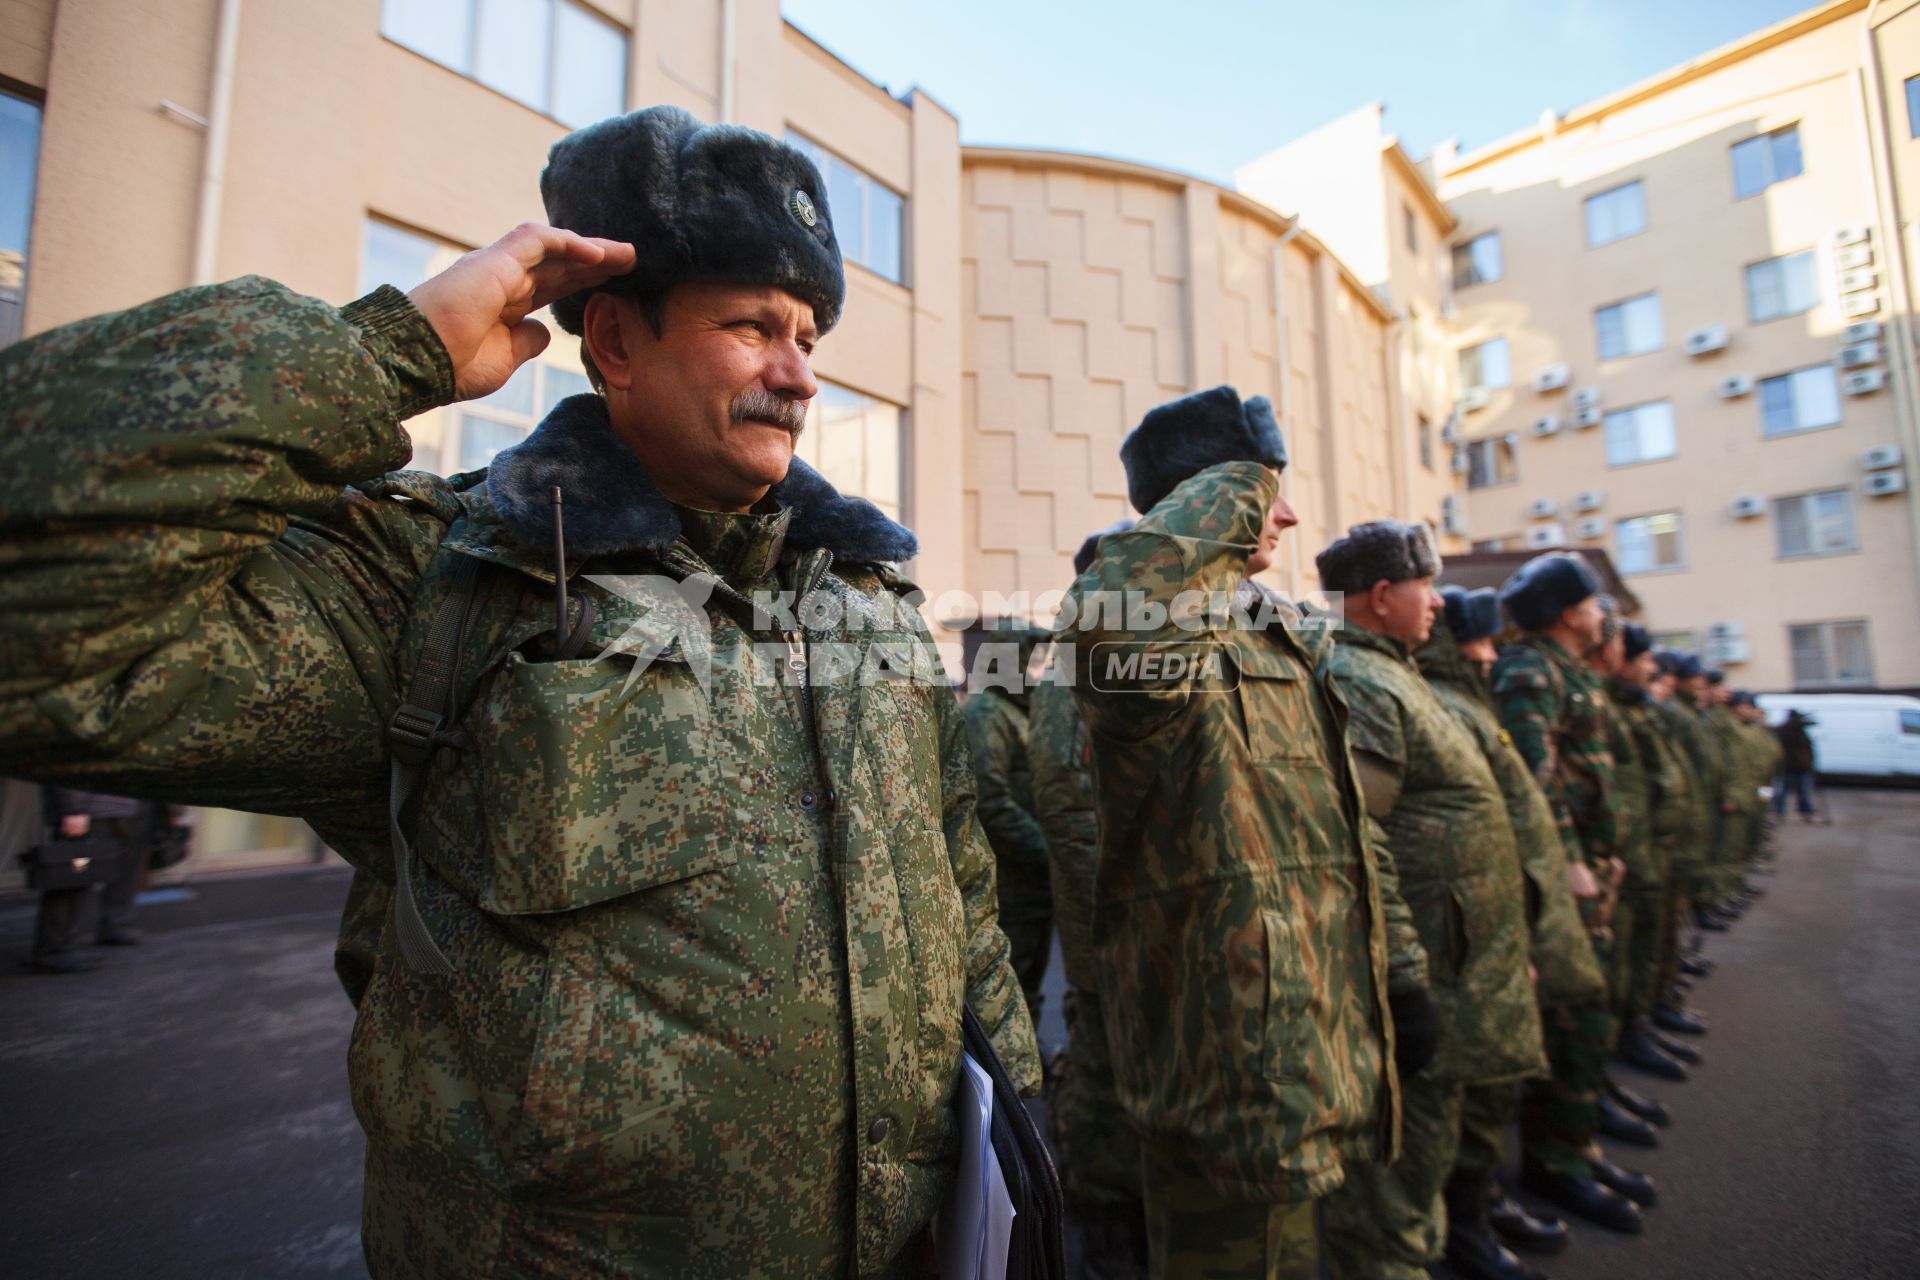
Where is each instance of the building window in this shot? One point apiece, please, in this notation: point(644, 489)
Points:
point(1491, 462)
point(1783, 286)
point(556, 56)
point(867, 217)
point(1760, 162)
point(1615, 215)
point(1477, 261)
point(19, 163)
point(1814, 524)
point(506, 417)
point(1803, 400)
point(1647, 544)
point(1412, 227)
point(1629, 328)
point(856, 442)
point(1830, 653)
point(393, 255)
point(1643, 433)
point(1426, 440)
point(1675, 641)
point(1485, 366)
point(1913, 106)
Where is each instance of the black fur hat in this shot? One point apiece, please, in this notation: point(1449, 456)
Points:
point(1083, 558)
point(1379, 551)
point(1638, 640)
point(1714, 675)
point(1683, 666)
point(1472, 615)
point(1546, 586)
point(699, 203)
point(1178, 440)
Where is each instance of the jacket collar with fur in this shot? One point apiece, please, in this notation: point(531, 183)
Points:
point(612, 505)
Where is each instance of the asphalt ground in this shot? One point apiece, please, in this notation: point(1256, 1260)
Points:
point(183, 1112)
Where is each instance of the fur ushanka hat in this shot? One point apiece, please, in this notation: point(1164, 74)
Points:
point(1378, 551)
point(1545, 587)
point(1472, 615)
point(699, 204)
point(1178, 440)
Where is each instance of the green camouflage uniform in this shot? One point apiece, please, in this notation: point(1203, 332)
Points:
point(1700, 766)
point(1645, 906)
point(1677, 822)
point(1568, 974)
point(1552, 707)
point(1714, 768)
point(1246, 932)
point(996, 720)
point(1453, 852)
point(1740, 789)
point(708, 950)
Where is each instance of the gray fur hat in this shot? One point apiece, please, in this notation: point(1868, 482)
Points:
point(1084, 557)
point(1545, 587)
point(699, 203)
point(1378, 551)
point(1472, 615)
point(1178, 440)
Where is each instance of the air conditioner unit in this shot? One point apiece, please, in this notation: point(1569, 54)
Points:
point(1543, 536)
point(1860, 353)
point(1747, 506)
point(1740, 384)
point(1880, 457)
point(1551, 378)
point(1727, 653)
point(1590, 528)
point(1546, 425)
point(1587, 398)
point(1858, 280)
point(1542, 508)
point(1462, 461)
point(1853, 257)
point(1861, 331)
point(1453, 520)
point(1474, 399)
point(1726, 631)
point(1860, 304)
point(1589, 500)
point(1591, 416)
point(1844, 236)
point(1708, 338)
point(1882, 483)
point(1862, 381)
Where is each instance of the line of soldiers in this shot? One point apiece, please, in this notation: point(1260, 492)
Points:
point(1342, 894)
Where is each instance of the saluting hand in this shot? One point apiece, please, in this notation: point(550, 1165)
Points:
point(479, 305)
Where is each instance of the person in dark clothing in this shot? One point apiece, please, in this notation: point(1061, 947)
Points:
point(1797, 772)
point(74, 814)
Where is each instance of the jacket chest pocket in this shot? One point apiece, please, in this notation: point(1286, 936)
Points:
point(1276, 701)
point(595, 779)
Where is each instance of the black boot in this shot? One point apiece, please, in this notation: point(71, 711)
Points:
point(1671, 1016)
point(1472, 1251)
point(1695, 965)
point(1113, 1241)
point(1652, 1110)
point(1710, 920)
point(1586, 1197)
point(1637, 1050)
point(1677, 1049)
point(1521, 1229)
point(1622, 1125)
point(1637, 1187)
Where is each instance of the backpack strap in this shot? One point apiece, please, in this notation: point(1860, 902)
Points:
point(420, 731)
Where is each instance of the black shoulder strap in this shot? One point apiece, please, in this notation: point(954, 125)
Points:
point(420, 729)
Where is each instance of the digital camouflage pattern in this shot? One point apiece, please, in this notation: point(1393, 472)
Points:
point(1562, 954)
point(1700, 763)
point(1099, 1154)
point(1646, 901)
point(996, 719)
point(1241, 920)
point(1752, 756)
point(1551, 706)
point(709, 956)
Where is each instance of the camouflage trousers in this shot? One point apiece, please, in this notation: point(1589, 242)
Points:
point(1485, 1112)
point(1731, 853)
point(1558, 1115)
point(1636, 962)
point(1195, 1234)
point(1388, 1222)
point(1099, 1152)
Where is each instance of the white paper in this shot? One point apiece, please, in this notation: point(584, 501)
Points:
point(999, 1234)
point(964, 1218)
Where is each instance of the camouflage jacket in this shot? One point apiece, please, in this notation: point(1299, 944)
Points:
point(1636, 775)
point(1562, 953)
point(1453, 850)
point(709, 944)
point(1552, 707)
point(1746, 769)
point(997, 731)
point(1696, 763)
point(1057, 748)
point(1241, 920)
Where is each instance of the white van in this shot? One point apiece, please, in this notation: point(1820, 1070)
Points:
point(1865, 734)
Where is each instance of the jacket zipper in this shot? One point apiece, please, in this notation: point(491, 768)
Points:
point(798, 662)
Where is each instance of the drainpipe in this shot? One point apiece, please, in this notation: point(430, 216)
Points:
point(213, 164)
point(1283, 400)
point(726, 61)
point(1886, 204)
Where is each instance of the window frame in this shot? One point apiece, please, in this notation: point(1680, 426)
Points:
point(815, 151)
point(1460, 356)
point(1787, 376)
point(1806, 499)
point(1586, 210)
point(1606, 438)
point(1766, 140)
point(1912, 86)
point(1511, 443)
point(814, 440)
point(1679, 564)
point(1826, 630)
point(1779, 259)
point(1473, 268)
point(1627, 353)
point(470, 72)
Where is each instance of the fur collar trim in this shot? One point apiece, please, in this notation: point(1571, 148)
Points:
point(613, 505)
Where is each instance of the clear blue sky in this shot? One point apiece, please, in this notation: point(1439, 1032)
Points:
point(1206, 85)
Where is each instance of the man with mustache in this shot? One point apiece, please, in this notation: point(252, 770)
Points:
point(660, 971)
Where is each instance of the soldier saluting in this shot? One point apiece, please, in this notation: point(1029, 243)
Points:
point(686, 945)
